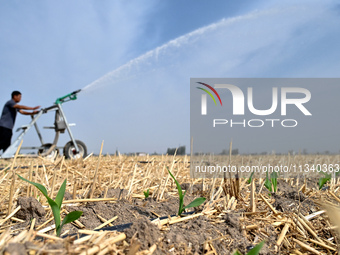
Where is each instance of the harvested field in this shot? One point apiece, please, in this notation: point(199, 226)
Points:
point(236, 215)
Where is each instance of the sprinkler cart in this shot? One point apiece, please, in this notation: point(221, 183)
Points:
point(73, 149)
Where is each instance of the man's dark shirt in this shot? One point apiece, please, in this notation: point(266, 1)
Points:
point(8, 115)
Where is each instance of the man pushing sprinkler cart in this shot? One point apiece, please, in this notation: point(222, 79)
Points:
point(73, 149)
point(8, 117)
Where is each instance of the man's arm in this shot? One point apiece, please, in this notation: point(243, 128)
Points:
point(23, 107)
point(28, 113)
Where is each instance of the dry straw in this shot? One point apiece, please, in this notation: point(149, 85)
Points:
point(296, 231)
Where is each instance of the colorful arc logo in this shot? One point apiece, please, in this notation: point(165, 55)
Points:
point(209, 93)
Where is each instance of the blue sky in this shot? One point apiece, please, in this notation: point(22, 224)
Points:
point(148, 51)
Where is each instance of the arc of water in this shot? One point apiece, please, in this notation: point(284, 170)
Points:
point(175, 43)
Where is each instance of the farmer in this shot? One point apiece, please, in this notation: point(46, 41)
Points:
point(8, 116)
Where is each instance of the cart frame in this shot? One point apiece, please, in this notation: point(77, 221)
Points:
point(60, 125)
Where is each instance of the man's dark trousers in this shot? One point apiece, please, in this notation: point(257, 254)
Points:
point(5, 138)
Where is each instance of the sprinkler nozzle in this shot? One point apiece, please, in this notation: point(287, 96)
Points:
point(68, 97)
point(75, 92)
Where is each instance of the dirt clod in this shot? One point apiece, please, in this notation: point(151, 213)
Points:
point(147, 232)
point(15, 249)
point(30, 208)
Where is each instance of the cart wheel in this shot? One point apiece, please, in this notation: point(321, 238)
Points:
point(46, 147)
point(70, 150)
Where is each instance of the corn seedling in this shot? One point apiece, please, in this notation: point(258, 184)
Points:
point(254, 251)
point(268, 183)
point(324, 180)
point(146, 193)
point(271, 183)
point(197, 202)
point(56, 205)
point(250, 178)
point(274, 181)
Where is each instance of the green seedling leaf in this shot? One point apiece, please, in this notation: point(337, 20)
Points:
point(256, 249)
point(250, 178)
point(42, 189)
point(56, 205)
point(146, 193)
point(72, 216)
point(197, 202)
point(55, 208)
point(323, 181)
point(180, 194)
point(56, 214)
point(37, 185)
point(177, 184)
point(60, 196)
point(268, 183)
